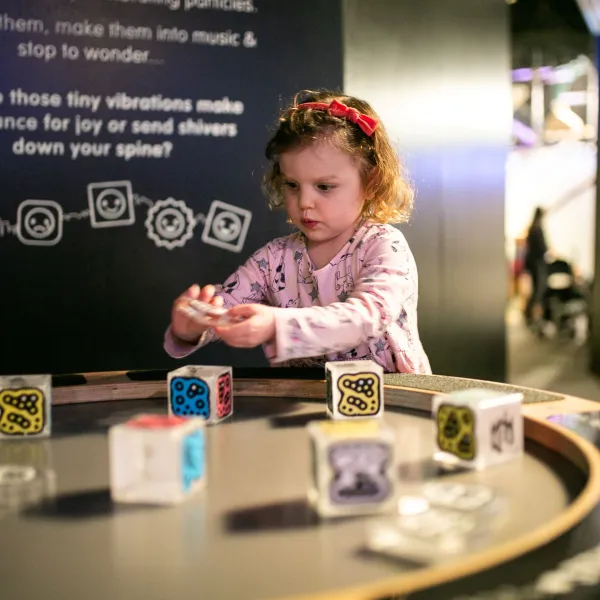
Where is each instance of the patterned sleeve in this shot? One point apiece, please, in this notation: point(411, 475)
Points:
point(387, 277)
point(247, 285)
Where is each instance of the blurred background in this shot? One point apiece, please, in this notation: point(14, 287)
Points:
point(552, 166)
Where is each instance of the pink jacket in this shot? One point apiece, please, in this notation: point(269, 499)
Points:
point(362, 305)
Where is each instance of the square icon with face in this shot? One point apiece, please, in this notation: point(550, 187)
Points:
point(111, 204)
point(39, 222)
point(226, 226)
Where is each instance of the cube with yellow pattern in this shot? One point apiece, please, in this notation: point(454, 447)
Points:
point(456, 430)
point(354, 389)
point(478, 428)
point(25, 406)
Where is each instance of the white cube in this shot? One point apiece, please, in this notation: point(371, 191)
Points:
point(25, 406)
point(157, 459)
point(354, 389)
point(478, 428)
point(353, 467)
point(201, 391)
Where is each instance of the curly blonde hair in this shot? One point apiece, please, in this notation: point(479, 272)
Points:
point(390, 195)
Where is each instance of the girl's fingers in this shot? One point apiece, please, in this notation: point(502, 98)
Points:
point(207, 293)
point(242, 310)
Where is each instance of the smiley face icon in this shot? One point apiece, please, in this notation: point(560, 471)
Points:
point(227, 226)
point(39, 222)
point(170, 223)
point(111, 204)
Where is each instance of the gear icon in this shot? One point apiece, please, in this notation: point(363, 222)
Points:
point(170, 223)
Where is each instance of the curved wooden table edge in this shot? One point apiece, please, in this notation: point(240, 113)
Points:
point(117, 387)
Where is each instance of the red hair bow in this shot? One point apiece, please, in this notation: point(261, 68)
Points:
point(339, 109)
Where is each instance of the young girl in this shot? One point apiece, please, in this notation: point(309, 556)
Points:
point(345, 285)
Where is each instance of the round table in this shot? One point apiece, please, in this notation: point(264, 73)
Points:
point(251, 533)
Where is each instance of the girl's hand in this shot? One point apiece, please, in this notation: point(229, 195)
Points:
point(185, 327)
point(257, 326)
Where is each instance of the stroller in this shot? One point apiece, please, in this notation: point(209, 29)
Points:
point(565, 303)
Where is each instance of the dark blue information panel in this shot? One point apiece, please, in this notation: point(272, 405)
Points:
point(131, 151)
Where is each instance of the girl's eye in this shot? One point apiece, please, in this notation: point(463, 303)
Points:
point(325, 187)
point(290, 185)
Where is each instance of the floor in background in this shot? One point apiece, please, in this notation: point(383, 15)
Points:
point(552, 365)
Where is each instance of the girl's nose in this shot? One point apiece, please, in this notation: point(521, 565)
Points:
point(305, 200)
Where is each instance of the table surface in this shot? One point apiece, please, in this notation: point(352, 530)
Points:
point(250, 534)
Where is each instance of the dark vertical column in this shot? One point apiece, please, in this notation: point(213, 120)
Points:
point(438, 72)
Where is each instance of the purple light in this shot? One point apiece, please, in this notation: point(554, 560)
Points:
point(525, 74)
point(524, 134)
point(522, 75)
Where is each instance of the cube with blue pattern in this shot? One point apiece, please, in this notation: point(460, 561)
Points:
point(201, 391)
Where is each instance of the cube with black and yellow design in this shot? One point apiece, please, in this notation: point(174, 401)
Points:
point(25, 406)
point(354, 389)
point(478, 428)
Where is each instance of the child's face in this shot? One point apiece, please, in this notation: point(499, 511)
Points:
point(323, 190)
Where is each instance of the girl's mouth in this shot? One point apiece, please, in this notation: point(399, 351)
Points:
point(309, 223)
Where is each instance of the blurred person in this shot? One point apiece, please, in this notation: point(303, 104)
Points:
point(536, 251)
